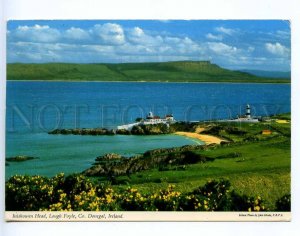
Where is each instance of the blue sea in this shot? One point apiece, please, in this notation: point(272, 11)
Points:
point(34, 108)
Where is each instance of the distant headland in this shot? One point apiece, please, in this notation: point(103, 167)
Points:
point(176, 71)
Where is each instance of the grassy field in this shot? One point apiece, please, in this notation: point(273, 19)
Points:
point(255, 168)
point(184, 71)
point(262, 170)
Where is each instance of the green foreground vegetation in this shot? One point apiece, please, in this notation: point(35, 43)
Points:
point(181, 71)
point(251, 172)
point(255, 169)
point(254, 163)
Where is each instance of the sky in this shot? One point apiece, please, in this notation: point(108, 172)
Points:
point(232, 44)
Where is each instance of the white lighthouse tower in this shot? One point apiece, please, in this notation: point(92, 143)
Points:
point(150, 115)
point(248, 112)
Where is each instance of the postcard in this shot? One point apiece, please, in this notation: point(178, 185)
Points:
point(148, 120)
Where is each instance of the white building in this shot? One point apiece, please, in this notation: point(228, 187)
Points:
point(150, 120)
point(246, 118)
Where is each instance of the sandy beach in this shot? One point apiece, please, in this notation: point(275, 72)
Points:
point(208, 139)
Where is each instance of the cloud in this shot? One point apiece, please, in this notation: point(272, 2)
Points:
point(111, 34)
point(112, 42)
point(214, 37)
point(251, 49)
point(34, 52)
point(137, 31)
point(76, 34)
point(36, 33)
point(224, 30)
point(222, 48)
point(137, 35)
point(283, 34)
point(277, 49)
point(101, 42)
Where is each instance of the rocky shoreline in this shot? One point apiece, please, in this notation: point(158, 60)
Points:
point(154, 129)
point(19, 158)
point(83, 131)
point(111, 165)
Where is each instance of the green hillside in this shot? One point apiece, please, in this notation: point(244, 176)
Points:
point(180, 71)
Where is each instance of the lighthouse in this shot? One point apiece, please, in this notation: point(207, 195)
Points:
point(150, 115)
point(248, 112)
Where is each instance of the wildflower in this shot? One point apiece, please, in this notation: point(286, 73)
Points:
point(77, 197)
point(62, 196)
point(108, 199)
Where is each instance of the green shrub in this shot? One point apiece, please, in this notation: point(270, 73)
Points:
point(216, 194)
point(284, 203)
point(31, 193)
point(74, 184)
point(76, 192)
point(246, 203)
point(251, 139)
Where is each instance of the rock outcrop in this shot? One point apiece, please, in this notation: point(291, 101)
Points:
point(20, 158)
point(114, 165)
point(83, 131)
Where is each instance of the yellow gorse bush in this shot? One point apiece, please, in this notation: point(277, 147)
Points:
point(77, 193)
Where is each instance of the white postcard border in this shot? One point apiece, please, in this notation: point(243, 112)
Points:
point(137, 216)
